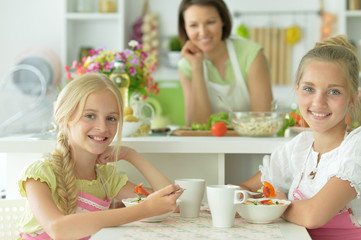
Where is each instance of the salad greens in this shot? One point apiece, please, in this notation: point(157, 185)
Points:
point(288, 122)
point(214, 118)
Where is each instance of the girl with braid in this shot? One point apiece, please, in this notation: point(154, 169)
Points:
point(68, 193)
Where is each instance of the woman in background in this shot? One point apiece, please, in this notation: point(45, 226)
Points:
point(214, 64)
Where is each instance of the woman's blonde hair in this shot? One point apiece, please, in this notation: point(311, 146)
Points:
point(74, 96)
point(339, 51)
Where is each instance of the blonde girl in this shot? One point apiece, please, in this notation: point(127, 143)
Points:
point(320, 170)
point(68, 190)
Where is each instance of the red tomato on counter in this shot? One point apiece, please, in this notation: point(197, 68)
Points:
point(219, 129)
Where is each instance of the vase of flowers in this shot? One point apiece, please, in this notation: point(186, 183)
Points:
point(137, 64)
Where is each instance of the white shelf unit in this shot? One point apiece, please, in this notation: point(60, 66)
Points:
point(91, 30)
point(349, 23)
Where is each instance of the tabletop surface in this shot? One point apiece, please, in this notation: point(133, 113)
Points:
point(176, 227)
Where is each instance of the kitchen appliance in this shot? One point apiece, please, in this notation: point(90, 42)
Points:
point(28, 89)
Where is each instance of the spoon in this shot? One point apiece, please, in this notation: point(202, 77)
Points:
point(252, 193)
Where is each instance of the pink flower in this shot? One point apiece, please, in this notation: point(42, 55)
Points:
point(152, 67)
point(127, 52)
point(74, 64)
point(135, 60)
point(137, 64)
point(143, 55)
point(108, 67)
point(131, 70)
point(94, 67)
point(68, 76)
point(96, 51)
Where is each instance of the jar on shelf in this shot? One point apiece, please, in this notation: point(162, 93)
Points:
point(353, 4)
point(144, 112)
point(83, 52)
point(121, 79)
point(85, 6)
point(107, 6)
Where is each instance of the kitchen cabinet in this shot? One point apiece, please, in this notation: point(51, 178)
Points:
point(349, 24)
point(93, 29)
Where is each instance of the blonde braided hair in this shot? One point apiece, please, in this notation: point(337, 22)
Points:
point(74, 96)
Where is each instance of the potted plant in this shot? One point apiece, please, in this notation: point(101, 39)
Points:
point(174, 53)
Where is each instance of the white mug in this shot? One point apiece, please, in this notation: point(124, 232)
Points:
point(192, 196)
point(223, 201)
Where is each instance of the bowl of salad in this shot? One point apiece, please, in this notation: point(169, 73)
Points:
point(133, 201)
point(262, 210)
point(256, 124)
point(142, 193)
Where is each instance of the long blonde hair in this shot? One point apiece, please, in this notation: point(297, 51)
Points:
point(339, 51)
point(72, 96)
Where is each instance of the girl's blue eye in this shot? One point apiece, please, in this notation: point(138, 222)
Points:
point(113, 119)
point(91, 116)
point(334, 92)
point(308, 89)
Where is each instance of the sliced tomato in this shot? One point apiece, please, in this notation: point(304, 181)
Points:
point(140, 190)
point(303, 123)
point(296, 117)
point(266, 201)
point(268, 190)
point(300, 121)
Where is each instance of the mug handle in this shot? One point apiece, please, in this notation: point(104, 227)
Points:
point(237, 196)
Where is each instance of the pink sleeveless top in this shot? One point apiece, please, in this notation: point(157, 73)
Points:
point(86, 203)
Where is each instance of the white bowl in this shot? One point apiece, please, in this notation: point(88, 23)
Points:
point(262, 213)
point(129, 128)
point(133, 201)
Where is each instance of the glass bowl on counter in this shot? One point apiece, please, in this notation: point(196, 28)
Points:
point(257, 124)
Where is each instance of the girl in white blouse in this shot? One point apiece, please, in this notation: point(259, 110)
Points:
point(320, 170)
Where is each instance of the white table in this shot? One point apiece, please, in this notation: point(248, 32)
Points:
point(177, 228)
point(218, 160)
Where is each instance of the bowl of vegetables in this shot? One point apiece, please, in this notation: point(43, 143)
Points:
point(262, 210)
point(141, 193)
point(133, 201)
point(257, 124)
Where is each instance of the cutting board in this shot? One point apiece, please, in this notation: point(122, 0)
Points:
point(200, 133)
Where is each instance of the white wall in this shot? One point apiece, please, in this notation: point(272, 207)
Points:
point(27, 24)
point(37, 23)
point(2, 171)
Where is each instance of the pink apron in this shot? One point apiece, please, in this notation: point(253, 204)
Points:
point(86, 203)
point(339, 227)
